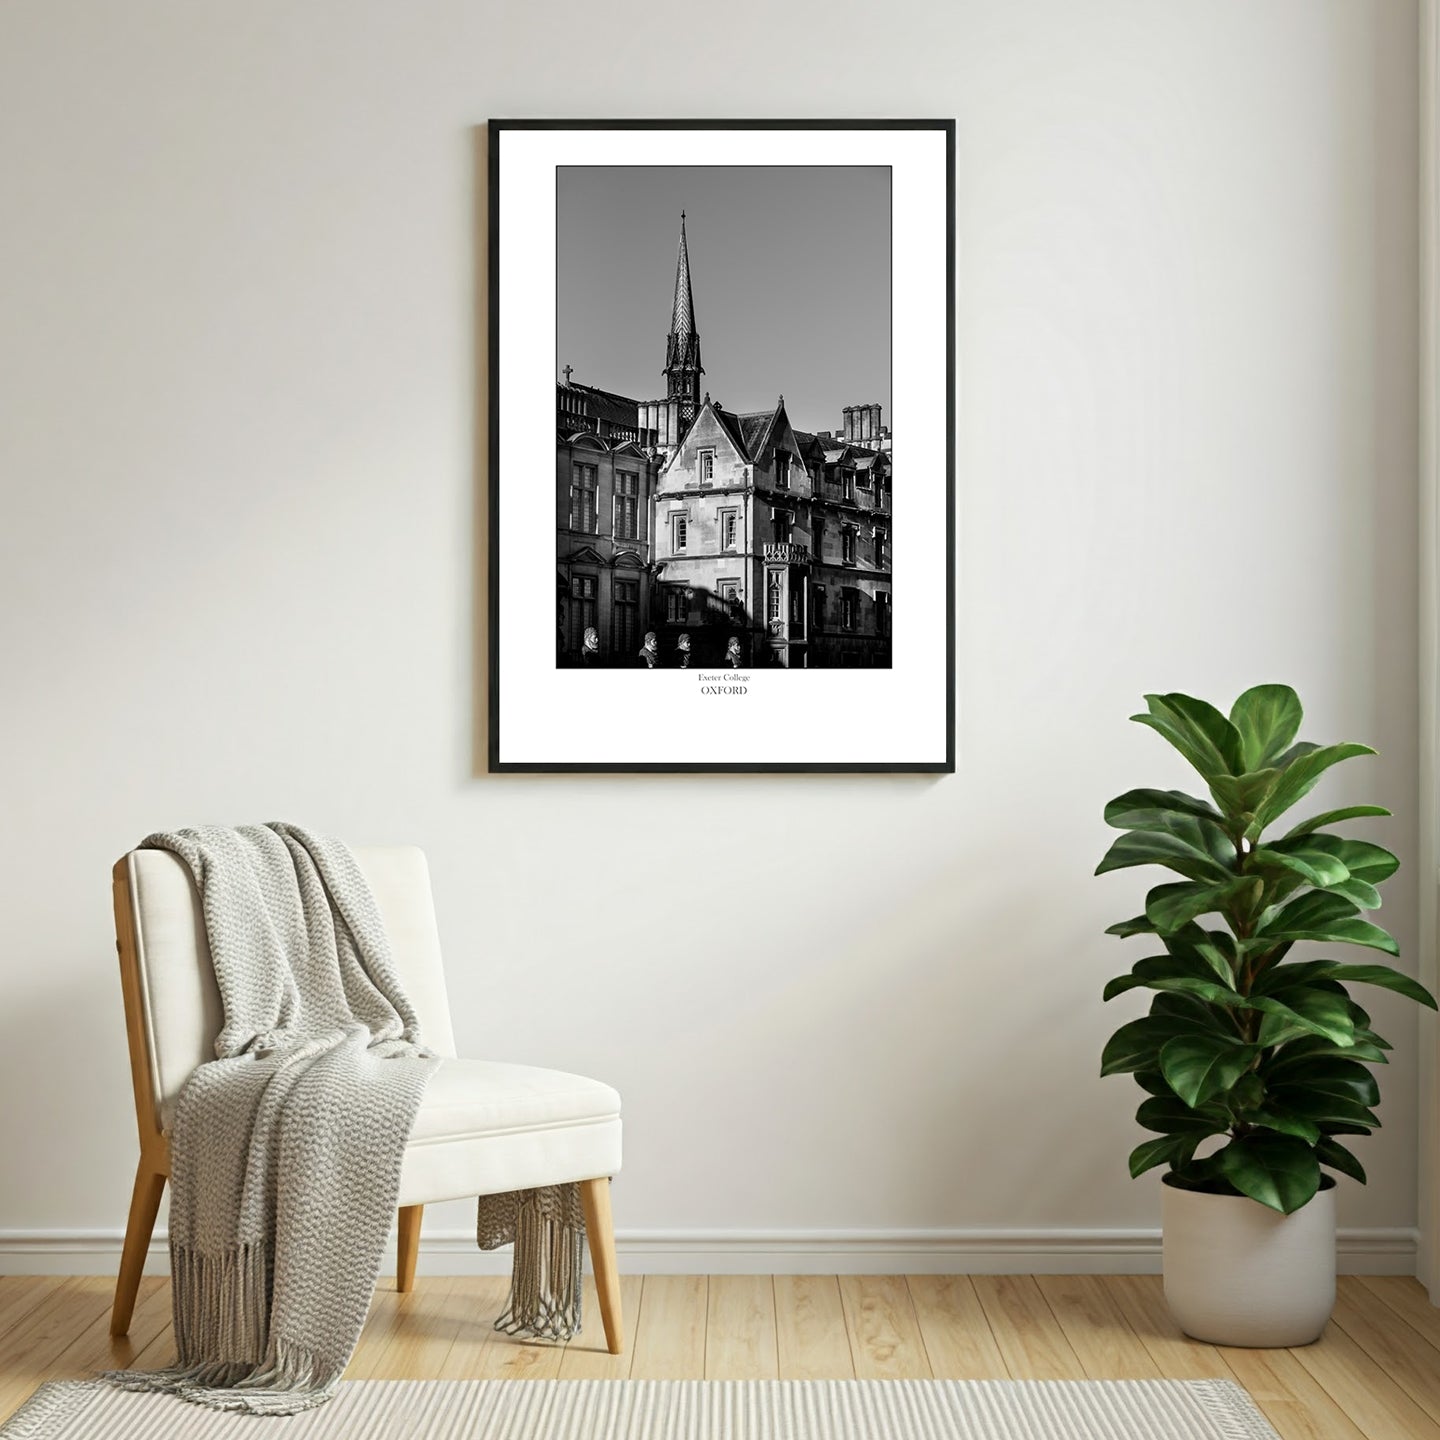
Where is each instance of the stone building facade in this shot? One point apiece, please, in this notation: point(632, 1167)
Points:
point(735, 537)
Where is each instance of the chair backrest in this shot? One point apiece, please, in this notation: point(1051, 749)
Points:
point(173, 1004)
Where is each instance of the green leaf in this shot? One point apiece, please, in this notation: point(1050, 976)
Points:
point(1344, 1078)
point(1240, 796)
point(1140, 925)
point(1197, 730)
point(1268, 719)
point(1168, 907)
point(1156, 970)
point(1279, 1171)
point(1320, 916)
point(1382, 975)
point(1337, 1157)
point(1365, 861)
point(1246, 1093)
point(1303, 1008)
point(1160, 972)
point(1171, 1116)
point(1136, 1046)
point(1330, 817)
point(1312, 864)
point(1167, 1149)
point(1285, 1123)
point(1358, 892)
point(1190, 846)
point(1215, 948)
point(1316, 1047)
point(1153, 809)
point(1199, 1066)
point(1299, 778)
point(1326, 1109)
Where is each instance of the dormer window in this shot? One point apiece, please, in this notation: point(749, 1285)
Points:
point(782, 470)
point(707, 467)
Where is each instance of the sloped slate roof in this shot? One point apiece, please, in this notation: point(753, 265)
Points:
point(755, 426)
point(606, 404)
point(734, 429)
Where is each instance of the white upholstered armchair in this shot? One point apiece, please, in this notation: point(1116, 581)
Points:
point(483, 1128)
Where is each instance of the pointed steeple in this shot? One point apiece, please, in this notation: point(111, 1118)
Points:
point(682, 319)
point(682, 349)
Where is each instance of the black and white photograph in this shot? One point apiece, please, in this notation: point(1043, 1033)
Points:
point(731, 332)
point(724, 488)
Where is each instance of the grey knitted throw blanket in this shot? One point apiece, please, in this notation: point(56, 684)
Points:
point(286, 1149)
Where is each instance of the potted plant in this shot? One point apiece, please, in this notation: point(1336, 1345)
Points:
point(1256, 1065)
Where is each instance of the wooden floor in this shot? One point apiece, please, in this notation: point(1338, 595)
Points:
point(1374, 1374)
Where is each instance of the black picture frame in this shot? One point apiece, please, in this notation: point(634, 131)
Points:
point(495, 763)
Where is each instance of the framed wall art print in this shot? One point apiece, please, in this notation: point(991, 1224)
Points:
point(721, 463)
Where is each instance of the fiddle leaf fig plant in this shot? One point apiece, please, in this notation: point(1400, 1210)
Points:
point(1261, 1059)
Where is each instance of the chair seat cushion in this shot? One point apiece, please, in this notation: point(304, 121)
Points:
point(484, 1127)
point(485, 1097)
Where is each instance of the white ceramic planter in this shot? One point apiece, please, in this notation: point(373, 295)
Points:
point(1239, 1273)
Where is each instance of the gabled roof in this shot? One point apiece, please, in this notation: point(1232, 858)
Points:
point(755, 426)
point(730, 423)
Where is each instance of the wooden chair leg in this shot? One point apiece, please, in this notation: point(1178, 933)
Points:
point(144, 1206)
point(407, 1247)
point(599, 1226)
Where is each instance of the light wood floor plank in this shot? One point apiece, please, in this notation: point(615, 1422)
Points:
point(1286, 1393)
point(33, 1348)
point(586, 1357)
point(19, 1295)
point(1025, 1329)
point(957, 1336)
point(810, 1331)
point(95, 1348)
point(670, 1341)
point(1408, 1298)
point(1374, 1376)
point(1096, 1328)
point(1141, 1300)
point(1290, 1397)
point(1362, 1387)
point(1409, 1358)
point(424, 1330)
point(389, 1310)
point(479, 1351)
point(885, 1338)
point(740, 1329)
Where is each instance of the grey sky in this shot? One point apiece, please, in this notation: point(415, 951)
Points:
point(790, 268)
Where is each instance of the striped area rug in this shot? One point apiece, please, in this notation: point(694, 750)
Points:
point(675, 1410)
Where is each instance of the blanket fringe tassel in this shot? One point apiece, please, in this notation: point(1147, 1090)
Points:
point(547, 1227)
point(222, 1305)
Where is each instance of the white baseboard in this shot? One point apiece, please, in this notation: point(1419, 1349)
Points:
point(1380, 1251)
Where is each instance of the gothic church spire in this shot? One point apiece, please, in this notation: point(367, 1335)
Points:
point(682, 350)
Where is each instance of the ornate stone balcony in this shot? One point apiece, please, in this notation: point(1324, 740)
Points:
point(788, 554)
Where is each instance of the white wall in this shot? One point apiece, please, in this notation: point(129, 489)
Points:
point(240, 339)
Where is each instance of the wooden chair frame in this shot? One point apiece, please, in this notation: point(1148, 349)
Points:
point(153, 1169)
